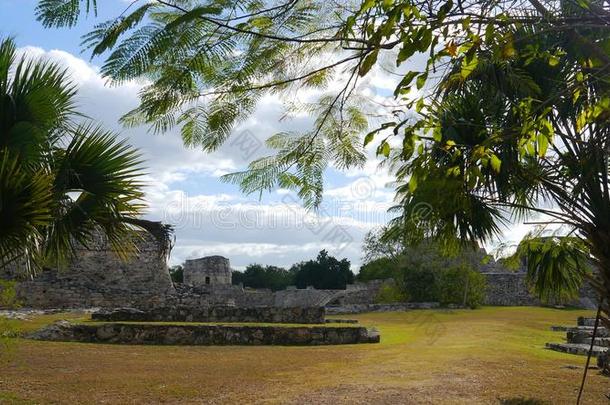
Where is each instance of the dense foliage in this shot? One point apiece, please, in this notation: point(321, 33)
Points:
point(391, 293)
point(461, 285)
point(258, 276)
point(423, 273)
point(379, 269)
point(325, 272)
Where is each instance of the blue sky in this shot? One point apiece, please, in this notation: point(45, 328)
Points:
point(183, 185)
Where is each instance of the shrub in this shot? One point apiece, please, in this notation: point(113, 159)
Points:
point(461, 285)
point(8, 294)
point(177, 274)
point(8, 329)
point(389, 293)
point(420, 284)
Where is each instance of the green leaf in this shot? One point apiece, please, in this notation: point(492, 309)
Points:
point(368, 62)
point(468, 66)
point(543, 144)
point(445, 8)
point(367, 5)
point(369, 138)
point(553, 60)
point(384, 149)
point(437, 134)
point(261, 22)
point(421, 80)
point(406, 51)
point(413, 183)
point(405, 82)
point(495, 162)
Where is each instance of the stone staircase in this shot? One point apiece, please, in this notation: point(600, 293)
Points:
point(578, 339)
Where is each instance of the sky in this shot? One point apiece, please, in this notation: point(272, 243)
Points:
point(183, 186)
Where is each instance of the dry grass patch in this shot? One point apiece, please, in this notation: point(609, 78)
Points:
point(435, 356)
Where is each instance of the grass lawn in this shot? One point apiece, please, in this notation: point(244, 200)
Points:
point(427, 356)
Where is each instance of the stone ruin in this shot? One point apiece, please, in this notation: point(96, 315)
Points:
point(98, 278)
point(207, 271)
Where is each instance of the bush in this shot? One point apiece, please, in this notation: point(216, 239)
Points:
point(390, 293)
point(420, 284)
point(8, 295)
point(177, 274)
point(8, 328)
point(461, 285)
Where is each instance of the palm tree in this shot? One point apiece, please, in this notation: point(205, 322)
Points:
point(62, 178)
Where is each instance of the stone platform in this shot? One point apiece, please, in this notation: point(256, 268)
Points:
point(204, 335)
point(576, 348)
point(268, 314)
point(578, 339)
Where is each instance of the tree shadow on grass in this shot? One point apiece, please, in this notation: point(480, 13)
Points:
point(522, 401)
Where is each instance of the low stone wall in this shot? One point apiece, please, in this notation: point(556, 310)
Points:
point(151, 334)
point(361, 308)
point(311, 315)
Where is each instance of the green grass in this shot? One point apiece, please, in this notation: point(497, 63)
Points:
point(487, 355)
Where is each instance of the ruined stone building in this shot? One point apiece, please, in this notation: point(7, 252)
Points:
point(207, 271)
point(98, 278)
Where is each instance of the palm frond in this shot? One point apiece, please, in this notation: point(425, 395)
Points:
point(556, 266)
point(26, 205)
point(102, 176)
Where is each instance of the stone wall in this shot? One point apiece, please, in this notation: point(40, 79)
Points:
point(309, 315)
point(510, 289)
point(156, 334)
point(98, 278)
point(506, 288)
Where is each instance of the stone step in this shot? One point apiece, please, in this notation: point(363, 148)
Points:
point(341, 321)
point(576, 348)
point(602, 342)
point(585, 337)
point(586, 331)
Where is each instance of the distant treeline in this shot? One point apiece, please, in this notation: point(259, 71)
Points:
point(324, 272)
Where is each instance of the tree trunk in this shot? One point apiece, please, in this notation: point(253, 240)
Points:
point(600, 250)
